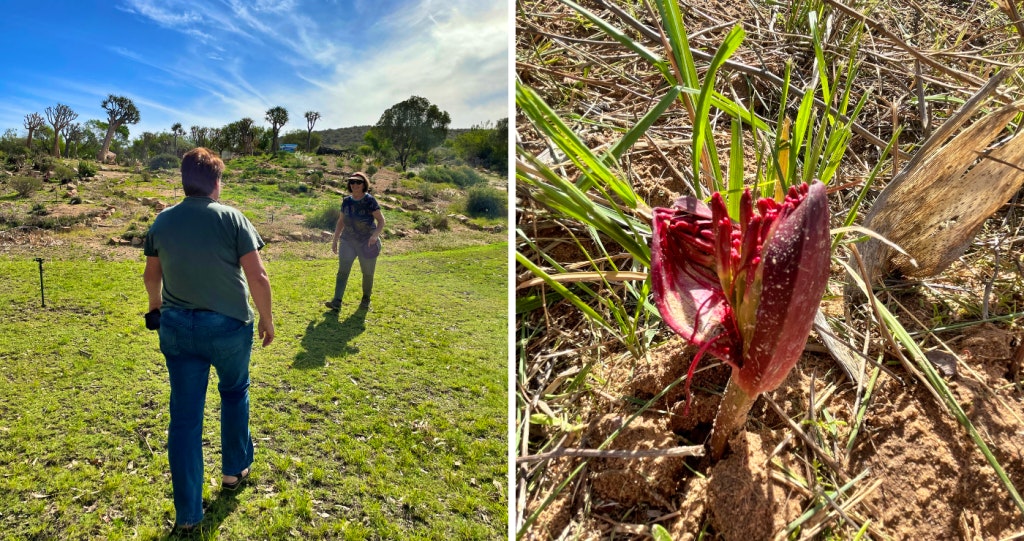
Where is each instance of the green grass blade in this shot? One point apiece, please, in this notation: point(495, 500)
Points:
point(858, 420)
point(621, 37)
point(738, 111)
point(851, 213)
point(732, 196)
point(641, 127)
point(672, 22)
point(777, 169)
point(801, 127)
point(565, 198)
point(701, 126)
point(565, 293)
point(833, 494)
point(819, 56)
point(595, 171)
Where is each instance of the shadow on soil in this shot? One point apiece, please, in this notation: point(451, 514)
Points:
point(329, 338)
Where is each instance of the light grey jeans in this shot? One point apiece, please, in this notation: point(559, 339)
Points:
point(348, 252)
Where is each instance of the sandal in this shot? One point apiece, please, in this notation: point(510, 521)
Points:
point(239, 479)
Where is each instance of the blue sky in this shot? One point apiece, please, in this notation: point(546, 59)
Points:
point(211, 62)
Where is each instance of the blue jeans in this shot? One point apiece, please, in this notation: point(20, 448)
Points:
point(191, 341)
point(347, 254)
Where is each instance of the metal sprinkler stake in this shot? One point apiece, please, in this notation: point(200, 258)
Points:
point(42, 294)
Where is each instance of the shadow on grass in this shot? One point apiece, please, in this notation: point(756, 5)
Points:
point(329, 337)
point(216, 513)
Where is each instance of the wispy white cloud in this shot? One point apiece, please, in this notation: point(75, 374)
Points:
point(160, 14)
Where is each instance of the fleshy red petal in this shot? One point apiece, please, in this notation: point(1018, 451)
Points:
point(791, 280)
point(686, 288)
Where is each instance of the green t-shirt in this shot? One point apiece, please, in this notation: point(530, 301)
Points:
point(199, 242)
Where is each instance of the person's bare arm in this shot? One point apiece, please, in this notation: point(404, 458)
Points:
point(259, 288)
point(338, 228)
point(379, 217)
point(153, 277)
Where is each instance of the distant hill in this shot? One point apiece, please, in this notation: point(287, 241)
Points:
point(352, 138)
point(343, 138)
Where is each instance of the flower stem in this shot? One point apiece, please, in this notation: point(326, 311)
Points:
point(732, 415)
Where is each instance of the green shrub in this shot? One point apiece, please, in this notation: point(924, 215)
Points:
point(410, 174)
point(25, 185)
point(315, 178)
point(428, 191)
point(442, 155)
point(164, 161)
point(293, 187)
point(325, 218)
point(483, 201)
point(86, 169)
point(371, 169)
point(422, 222)
point(440, 222)
point(44, 163)
point(17, 158)
point(462, 176)
point(63, 174)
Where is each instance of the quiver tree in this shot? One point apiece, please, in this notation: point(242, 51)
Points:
point(176, 130)
point(277, 116)
point(32, 123)
point(73, 134)
point(199, 135)
point(59, 117)
point(120, 111)
point(215, 138)
point(247, 135)
point(311, 118)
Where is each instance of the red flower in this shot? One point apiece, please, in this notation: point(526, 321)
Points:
point(744, 292)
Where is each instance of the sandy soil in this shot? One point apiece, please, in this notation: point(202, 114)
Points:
point(924, 478)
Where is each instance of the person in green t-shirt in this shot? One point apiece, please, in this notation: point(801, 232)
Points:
point(358, 229)
point(202, 264)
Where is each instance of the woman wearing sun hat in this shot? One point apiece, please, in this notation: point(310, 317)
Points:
point(357, 236)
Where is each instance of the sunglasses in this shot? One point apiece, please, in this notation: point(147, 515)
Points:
point(353, 181)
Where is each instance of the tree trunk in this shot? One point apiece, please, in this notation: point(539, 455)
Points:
point(106, 142)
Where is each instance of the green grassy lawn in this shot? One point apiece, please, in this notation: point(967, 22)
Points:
point(388, 426)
